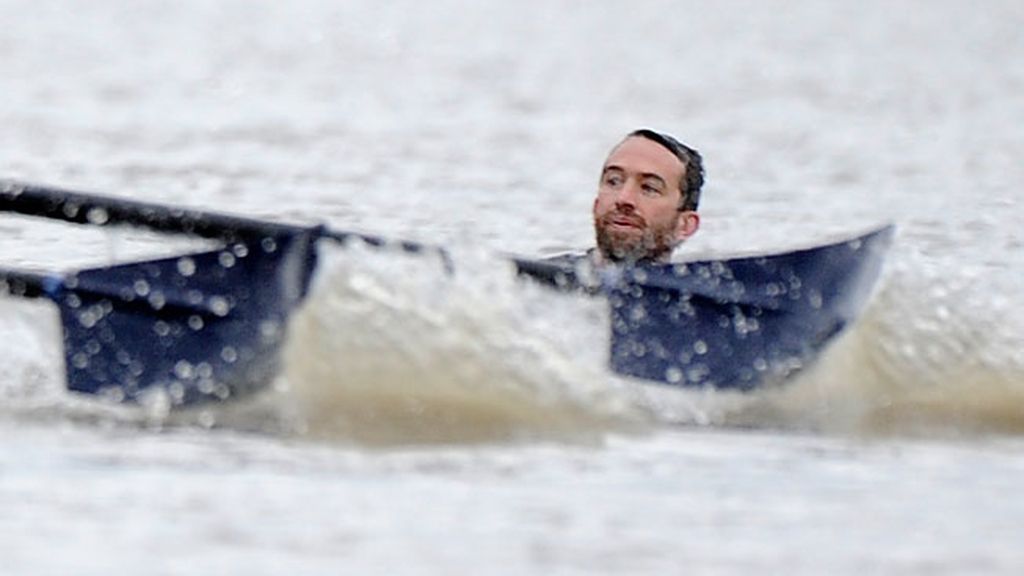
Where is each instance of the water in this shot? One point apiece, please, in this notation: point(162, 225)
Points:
point(468, 424)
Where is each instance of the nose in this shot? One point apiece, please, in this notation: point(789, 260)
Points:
point(627, 194)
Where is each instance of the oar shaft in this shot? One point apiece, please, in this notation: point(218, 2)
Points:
point(96, 210)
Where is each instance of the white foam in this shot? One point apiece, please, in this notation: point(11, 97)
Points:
point(31, 361)
point(933, 354)
point(393, 349)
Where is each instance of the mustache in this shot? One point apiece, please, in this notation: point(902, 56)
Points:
point(631, 218)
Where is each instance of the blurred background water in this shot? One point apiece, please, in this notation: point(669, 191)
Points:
point(435, 425)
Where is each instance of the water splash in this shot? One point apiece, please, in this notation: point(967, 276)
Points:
point(391, 349)
point(935, 354)
point(32, 373)
point(31, 364)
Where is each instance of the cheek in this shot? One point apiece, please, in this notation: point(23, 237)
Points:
point(664, 213)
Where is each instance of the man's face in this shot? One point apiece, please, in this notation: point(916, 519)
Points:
point(636, 212)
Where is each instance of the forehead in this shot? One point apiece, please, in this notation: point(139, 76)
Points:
point(637, 154)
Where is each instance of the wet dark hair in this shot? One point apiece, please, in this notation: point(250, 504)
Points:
point(693, 164)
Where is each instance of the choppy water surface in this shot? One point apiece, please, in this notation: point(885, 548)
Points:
point(431, 424)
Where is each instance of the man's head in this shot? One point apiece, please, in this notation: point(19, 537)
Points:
point(647, 199)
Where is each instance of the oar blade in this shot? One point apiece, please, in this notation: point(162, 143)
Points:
point(202, 326)
point(741, 323)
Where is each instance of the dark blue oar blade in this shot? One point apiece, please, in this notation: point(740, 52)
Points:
point(739, 323)
point(201, 326)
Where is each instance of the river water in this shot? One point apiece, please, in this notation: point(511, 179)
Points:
point(428, 424)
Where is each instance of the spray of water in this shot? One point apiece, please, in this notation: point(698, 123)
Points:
point(32, 376)
point(933, 355)
point(392, 349)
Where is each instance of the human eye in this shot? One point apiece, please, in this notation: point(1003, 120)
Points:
point(652, 189)
point(612, 179)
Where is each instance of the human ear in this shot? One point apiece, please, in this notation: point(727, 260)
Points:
point(687, 225)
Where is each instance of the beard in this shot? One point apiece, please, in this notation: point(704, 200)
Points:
point(644, 244)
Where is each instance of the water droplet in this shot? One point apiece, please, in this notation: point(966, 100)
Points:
point(183, 369)
point(80, 360)
point(700, 347)
point(97, 216)
point(93, 347)
point(206, 386)
point(176, 391)
point(269, 245)
point(673, 375)
point(229, 354)
point(186, 266)
point(161, 328)
point(195, 322)
point(157, 300)
point(204, 370)
point(141, 287)
point(240, 250)
point(219, 305)
point(126, 294)
point(88, 317)
point(270, 329)
point(226, 259)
